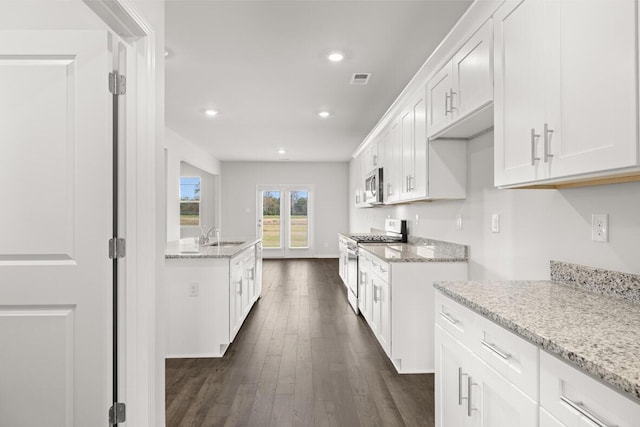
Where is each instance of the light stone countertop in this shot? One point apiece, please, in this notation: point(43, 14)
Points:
point(407, 252)
point(597, 333)
point(189, 249)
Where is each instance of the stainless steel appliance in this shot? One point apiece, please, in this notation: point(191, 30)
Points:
point(373, 187)
point(395, 230)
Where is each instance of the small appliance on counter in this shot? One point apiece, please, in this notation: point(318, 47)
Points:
point(395, 231)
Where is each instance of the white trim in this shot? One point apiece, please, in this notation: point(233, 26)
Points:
point(143, 395)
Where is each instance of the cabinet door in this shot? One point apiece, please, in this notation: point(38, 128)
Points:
point(235, 297)
point(406, 142)
point(473, 73)
point(438, 96)
point(393, 165)
point(496, 402)
point(384, 326)
point(591, 86)
point(258, 275)
point(452, 371)
point(519, 91)
point(419, 178)
point(364, 294)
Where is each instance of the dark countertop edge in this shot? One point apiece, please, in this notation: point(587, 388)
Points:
point(590, 368)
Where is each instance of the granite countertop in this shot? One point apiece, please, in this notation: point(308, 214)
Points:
point(597, 333)
point(188, 248)
point(423, 251)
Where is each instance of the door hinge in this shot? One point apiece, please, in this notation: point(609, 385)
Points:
point(117, 83)
point(117, 247)
point(117, 413)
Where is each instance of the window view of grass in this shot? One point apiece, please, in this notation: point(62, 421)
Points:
point(272, 221)
point(190, 201)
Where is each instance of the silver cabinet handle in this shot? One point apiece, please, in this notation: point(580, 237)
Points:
point(446, 104)
point(496, 350)
point(363, 278)
point(410, 184)
point(389, 190)
point(375, 160)
point(460, 375)
point(470, 407)
point(376, 297)
point(448, 318)
point(239, 287)
point(579, 406)
point(534, 137)
point(547, 142)
point(451, 107)
point(382, 270)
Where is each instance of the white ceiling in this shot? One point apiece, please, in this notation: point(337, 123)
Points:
point(263, 65)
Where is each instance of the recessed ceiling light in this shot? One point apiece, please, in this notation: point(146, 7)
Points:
point(324, 114)
point(281, 151)
point(335, 56)
point(211, 113)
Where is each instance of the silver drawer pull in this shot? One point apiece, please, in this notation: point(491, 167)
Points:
point(448, 318)
point(470, 407)
point(496, 350)
point(383, 270)
point(460, 375)
point(578, 406)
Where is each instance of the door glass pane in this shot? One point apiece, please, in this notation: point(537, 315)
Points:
point(270, 219)
point(299, 220)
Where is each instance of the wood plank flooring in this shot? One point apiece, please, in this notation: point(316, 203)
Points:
point(302, 358)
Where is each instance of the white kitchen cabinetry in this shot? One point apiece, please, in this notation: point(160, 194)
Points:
point(575, 399)
point(458, 94)
point(393, 164)
point(398, 303)
point(471, 386)
point(421, 169)
point(365, 287)
point(505, 374)
point(208, 299)
point(565, 89)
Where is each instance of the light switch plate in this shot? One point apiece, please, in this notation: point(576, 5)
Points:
point(495, 223)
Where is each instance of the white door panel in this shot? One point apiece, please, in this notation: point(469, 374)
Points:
point(55, 274)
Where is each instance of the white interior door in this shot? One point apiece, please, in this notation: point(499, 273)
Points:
point(55, 273)
point(284, 221)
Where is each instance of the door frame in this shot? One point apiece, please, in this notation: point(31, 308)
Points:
point(285, 233)
point(141, 377)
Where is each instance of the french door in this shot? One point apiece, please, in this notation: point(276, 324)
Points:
point(284, 220)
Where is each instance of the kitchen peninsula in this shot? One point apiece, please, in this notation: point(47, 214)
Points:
point(210, 290)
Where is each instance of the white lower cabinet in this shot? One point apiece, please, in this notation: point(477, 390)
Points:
point(397, 300)
point(575, 399)
point(208, 299)
point(471, 393)
point(487, 376)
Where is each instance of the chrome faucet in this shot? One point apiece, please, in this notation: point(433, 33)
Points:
point(204, 238)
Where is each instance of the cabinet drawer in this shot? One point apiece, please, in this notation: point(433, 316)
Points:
point(456, 319)
point(576, 399)
point(380, 269)
point(512, 356)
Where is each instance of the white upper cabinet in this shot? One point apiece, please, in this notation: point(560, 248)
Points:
point(458, 93)
point(565, 89)
point(393, 164)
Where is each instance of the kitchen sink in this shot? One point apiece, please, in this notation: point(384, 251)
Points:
point(224, 243)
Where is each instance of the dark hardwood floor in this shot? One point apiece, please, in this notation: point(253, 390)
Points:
point(302, 358)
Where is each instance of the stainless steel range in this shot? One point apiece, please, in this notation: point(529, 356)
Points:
point(395, 230)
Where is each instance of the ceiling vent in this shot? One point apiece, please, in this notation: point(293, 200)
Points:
point(360, 78)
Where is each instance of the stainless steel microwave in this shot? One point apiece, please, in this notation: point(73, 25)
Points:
point(373, 187)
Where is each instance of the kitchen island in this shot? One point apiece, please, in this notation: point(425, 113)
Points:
point(210, 291)
point(567, 351)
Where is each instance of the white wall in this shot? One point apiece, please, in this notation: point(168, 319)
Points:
point(177, 150)
point(330, 181)
point(536, 225)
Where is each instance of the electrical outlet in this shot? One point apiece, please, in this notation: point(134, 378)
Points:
point(194, 289)
point(600, 227)
point(495, 223)
point(459, 222)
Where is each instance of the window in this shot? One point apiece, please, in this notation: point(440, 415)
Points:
point(189, 201)
point(299, 220)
